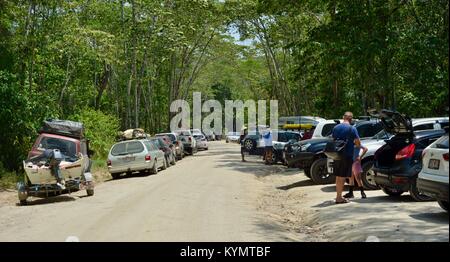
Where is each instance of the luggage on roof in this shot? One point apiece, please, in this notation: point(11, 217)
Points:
point(63, 127)
point(135, 133)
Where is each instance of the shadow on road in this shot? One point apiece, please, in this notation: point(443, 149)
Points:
point(50, 200)
point(302, 183)
point(437, 218)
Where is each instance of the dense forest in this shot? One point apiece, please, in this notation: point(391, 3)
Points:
point(116, 64)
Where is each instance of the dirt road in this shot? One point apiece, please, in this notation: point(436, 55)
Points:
point(212, 196)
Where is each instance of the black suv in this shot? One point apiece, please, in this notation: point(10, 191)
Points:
point(398, 163)
point(308, 154)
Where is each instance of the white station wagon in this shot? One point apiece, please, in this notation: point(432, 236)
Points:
point(138, 155)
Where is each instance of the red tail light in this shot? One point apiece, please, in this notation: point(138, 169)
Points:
point(108, 163)
point(190, 139)
point(406, 152)
point(148, 158)
point(445, 156)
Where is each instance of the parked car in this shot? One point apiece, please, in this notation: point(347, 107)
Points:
point(398, 162)
point(177, 143)
point(138, 155)
point(189, 142)
point(202, 142)
point(308, 154)
point(324, 128)
point(210, 135)
point(433, 178)
point(67, 138)
point(377, 141)
point(254, 143)
point(164, 146)
point(232, 137)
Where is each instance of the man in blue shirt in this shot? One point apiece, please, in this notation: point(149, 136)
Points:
point(343, 168)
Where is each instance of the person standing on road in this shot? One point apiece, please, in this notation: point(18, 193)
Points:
point(343, 168)
point(241, 142)
point(356, 172)
point(268, 147)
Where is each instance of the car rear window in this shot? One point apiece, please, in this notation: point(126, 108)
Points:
point(442, 142)
point(66, 147)
point(132, 147)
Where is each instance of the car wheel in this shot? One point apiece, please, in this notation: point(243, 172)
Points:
point(416, 195)
point(274, 157)
point(115, 175)
point(443, 204)
point(368, 176)
point(392, 191)
point(174, 160)
point(226, 141)
point(90, 192)
point(23, 202)
point(154, 169)
point(307, 171)
point(165, 165)
point(319, 172)
point(249, 144)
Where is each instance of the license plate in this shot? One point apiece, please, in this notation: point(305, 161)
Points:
point(434, 164)
point(128, 159)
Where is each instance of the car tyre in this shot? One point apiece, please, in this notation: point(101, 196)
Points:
point(307, 171)
point(319, 173)
point(154, 169)
point(368, 176)
point(90, 192)
point(115, 176)
point(165, 165)
point(443, 204)
point(416, 195)
point(392, 192)
point(249, 144)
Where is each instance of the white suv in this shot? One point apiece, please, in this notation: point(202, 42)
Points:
point(433, 178)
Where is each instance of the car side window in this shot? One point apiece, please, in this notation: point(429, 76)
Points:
point(368, 130)
point(327, 129)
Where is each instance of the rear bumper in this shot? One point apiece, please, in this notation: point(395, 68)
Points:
point(434, 189)
point(131, 168)
point(398, 181)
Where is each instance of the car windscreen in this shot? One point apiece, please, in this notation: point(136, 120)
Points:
point(369, 129)
point(382, 135)
point(67, 147)
point(132, 147)
point(150, 146)
point(170, 136)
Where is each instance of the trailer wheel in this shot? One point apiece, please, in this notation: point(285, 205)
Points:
point(90, 192)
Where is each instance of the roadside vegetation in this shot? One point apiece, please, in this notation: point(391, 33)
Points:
point(119, 64)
